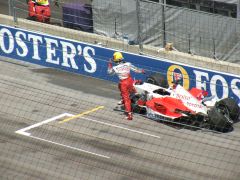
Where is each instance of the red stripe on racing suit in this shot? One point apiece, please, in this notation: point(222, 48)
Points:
point(122, 70)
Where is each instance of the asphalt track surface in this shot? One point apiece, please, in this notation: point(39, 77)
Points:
point(96, 142)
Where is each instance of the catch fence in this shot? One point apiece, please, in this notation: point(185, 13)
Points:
point(141, 22)
point(58, 125)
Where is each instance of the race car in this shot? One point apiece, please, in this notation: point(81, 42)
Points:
point(157, 101)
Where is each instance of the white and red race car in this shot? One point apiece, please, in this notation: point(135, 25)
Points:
point(192, 108)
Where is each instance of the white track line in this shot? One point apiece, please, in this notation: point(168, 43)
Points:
point(23, 131)
point(120, 127)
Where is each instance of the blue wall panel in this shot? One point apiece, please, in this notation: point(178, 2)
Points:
point(91, 60)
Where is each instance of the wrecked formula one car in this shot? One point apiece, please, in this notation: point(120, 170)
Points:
point(156, 101)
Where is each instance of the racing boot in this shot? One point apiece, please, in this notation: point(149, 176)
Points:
point(120, 102)
point(129, 116)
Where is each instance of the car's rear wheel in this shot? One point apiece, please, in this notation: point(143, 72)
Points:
point(219, 118)
point(157, 79)
point(232, 107)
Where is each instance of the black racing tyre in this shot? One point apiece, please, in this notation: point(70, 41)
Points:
point(218, 118)
point(157, 79)
point(232, 106)
point(135, 107)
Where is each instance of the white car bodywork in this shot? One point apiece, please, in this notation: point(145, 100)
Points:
point(179, 92)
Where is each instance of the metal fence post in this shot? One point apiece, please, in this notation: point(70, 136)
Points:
point(189, 44)
point(10, 7)
point(214, 49)
point(139, 25)
point(163, 22)
point(14, 13)
point(238, 10)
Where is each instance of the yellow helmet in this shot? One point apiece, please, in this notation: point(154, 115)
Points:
point(117, 57)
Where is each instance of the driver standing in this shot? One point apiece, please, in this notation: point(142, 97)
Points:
point(122, 70)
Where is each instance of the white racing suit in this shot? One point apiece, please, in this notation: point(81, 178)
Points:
point(122, 70)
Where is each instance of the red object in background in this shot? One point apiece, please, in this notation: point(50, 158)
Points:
point(40, 12)
point(31, 9)
point(43, 13)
